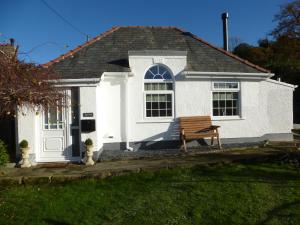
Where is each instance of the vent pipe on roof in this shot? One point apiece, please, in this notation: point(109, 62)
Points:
point(225, 30)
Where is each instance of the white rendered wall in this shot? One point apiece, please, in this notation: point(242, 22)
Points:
point(89, 104)
point(28, 128)
point(266, 107)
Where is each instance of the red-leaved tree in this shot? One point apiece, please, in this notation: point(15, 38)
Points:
point(25, 84)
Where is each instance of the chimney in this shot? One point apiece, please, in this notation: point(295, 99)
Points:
point(225, 30)
point(12, 41)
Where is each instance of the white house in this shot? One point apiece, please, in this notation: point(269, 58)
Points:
point(128, 87)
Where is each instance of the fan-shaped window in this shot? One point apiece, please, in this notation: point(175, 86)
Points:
point(158, 72)
point(158, 92)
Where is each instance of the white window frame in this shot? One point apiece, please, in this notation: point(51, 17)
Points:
point(237, 90)
point(145, 92)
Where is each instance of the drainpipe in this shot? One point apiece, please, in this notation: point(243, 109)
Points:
point(127, 114)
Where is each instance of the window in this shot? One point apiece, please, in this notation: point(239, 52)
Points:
point(158, 92)
point(53, 117)
point(226, 99)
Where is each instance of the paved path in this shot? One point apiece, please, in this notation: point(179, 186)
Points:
point(53, 173)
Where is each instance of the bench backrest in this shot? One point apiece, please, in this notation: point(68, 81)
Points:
point(194, 123)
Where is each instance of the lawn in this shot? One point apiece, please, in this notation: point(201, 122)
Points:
point(244, 194)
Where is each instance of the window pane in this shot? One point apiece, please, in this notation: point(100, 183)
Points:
point(234, 103)
point(154, 105)
point(169, 97)
point(222, 95)
point(155, 86)
point(222, 85)
point(154, 113)
point(148, 98)
point(162, 105)
point(149, 75)
point(158, 76)
point(222, 103)
point(169, 105)
point(53, 118)
point(147, 87)
point(215, 104)
point(155, 98)
point(229, 103)
point(235, 111)
point(169, 86)
point(163, 112)
point(162, 98)
point(229, 95)
point(154, 70)
point(169, 112)
point(148, 113)
point(167, 76)
point(223, 112)
point(228, 111)
point(216, 112)
point(162, 86)
point(148, 105)
point(235, 95)
point(215, 96)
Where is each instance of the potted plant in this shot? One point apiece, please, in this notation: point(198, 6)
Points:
point(89, 152)
point(25, 154)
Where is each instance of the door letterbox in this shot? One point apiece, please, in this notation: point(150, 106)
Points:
point(88, 126)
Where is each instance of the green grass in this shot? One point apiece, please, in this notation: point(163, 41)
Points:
point(225, 194)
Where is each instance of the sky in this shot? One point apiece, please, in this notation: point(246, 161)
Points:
point(42, 35)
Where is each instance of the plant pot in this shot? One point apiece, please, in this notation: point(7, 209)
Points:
point(89, 155)
point(24, 163)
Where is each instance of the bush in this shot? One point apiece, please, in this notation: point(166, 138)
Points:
point(24, 144)
point(88, 142)
point(4, 158)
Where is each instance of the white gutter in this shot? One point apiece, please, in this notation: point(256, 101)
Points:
point(75, 82)
point(282, 83)
point(117, 74)
point(198, 74)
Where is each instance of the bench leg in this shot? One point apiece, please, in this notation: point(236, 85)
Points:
point(219, 142)
point(212, 141)
point(184, 144)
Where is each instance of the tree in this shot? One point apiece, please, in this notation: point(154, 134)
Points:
point(25, 84)
point(234, 41)
point(288, 21)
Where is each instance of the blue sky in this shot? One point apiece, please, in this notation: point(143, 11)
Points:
point(44, 36)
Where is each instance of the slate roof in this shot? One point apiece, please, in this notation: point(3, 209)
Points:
point(108, 52)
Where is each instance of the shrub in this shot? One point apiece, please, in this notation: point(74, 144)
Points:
point(24, 144)
point(88, 142)
point(4, 158)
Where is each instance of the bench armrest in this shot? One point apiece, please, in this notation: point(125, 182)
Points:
point(214, 127)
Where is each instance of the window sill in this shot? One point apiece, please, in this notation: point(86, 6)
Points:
point(221, 118)
point(171, 120)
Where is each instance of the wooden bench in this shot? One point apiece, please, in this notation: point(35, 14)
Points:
point(196, 127)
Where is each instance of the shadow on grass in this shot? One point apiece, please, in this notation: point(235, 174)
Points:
point(55, 222)
point(263, 172)
point(279, 212)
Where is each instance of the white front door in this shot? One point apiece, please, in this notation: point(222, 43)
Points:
point(55, 134)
